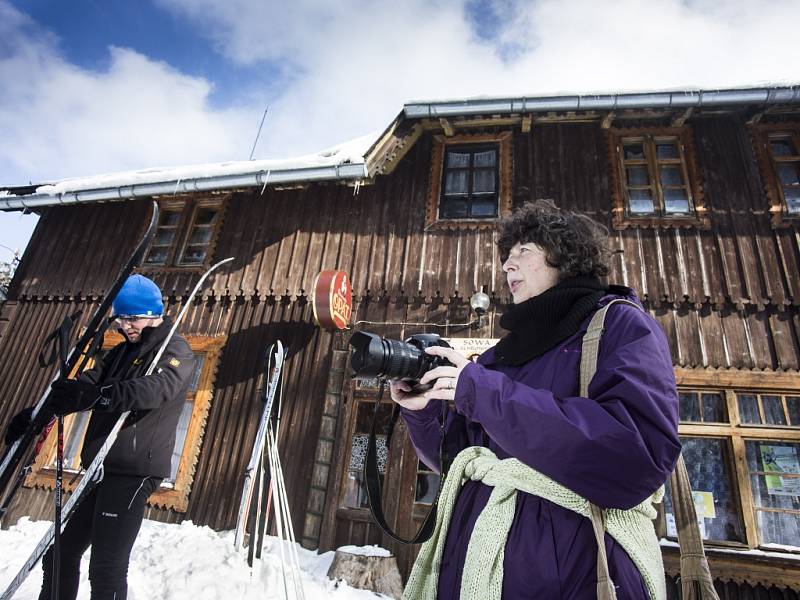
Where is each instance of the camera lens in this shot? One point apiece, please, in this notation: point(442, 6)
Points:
point(373, 356)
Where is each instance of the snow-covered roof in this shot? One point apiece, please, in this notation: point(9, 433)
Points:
point(345, 161)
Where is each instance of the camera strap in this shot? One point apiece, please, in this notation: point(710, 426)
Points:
point(372, 476)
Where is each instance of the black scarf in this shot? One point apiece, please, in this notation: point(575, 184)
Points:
point(539, 323)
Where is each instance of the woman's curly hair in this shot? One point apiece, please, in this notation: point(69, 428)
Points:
point(573, 243)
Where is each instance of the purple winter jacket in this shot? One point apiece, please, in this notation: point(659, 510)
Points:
point(614, 448)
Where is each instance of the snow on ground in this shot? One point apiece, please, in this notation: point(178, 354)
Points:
point(186, 562)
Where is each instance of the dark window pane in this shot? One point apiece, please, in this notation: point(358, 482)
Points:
point(641, 202)
point(748, 408)
point(194, 255)
point(456, 183)
point(667, 150)
point(708, 461)
point(773, 410)
point(458, 160)
point(714, 408)
point(633, 151)
point(364, 417)
point(487, 158)
point(789, 175)
point(689, 406)
point(484, 208)
point(180, 439)
point(199, 361)
point(427, 486)
point(169, 218)
point(206, 216)
point(156, 256)
point(671, 176)
point(453, 208)
point(201, 235)
point(676, 200)
point(782, 147)
point(793, 404)
point(792, 196)
point(773, 467)
point(482, 181)
point(163, 237)
point(638, 176)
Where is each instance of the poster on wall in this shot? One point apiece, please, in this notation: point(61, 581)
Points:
point(781, 460)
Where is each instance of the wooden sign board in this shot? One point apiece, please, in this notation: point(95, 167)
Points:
point(333, 300)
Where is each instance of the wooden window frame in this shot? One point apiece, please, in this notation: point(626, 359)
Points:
point(188, 209)
point(731, 383)
point(760, 134)
point(503, 141)
point(176, 496)
point(622, 218)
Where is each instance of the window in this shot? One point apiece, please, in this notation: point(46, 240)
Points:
point(654, 175)
point(174, 491)
point(470, 181)
point(778, 153)
point(427, 484)
point(741, 443)
point(354, 490)
point(186, 233)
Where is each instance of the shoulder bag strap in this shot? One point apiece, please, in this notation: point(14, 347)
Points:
point(696, 581)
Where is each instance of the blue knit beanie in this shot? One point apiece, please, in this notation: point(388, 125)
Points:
point(139, 296)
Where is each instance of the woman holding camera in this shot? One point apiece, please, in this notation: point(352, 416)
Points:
point(532, 457)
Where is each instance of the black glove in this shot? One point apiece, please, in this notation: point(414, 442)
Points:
point(72, 395)
point(18, 425)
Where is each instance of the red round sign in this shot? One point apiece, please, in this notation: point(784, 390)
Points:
point(333, 300)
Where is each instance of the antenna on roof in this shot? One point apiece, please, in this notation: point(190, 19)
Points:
point(259, 132)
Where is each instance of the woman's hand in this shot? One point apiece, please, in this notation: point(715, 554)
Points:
point(444, 381)
point(403, 394)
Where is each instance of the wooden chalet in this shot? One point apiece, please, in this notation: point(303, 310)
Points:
point(701, 193)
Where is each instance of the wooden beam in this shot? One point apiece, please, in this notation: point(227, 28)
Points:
point(679, 120)
point(526, 123)
point(446, 127)
point(761, 380)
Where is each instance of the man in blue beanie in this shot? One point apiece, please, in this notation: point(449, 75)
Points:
point(110, 517)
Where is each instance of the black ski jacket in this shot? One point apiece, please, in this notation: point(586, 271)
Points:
point(145, 443)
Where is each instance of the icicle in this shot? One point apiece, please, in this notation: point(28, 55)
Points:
point(357, 187)
point(266, 180)
point(177, 183)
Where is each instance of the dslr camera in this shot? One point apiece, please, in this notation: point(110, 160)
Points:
point(374, 356)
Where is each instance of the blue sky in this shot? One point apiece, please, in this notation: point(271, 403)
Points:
point(95, 86)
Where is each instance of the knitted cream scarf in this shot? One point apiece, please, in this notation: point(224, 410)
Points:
point(482, 579)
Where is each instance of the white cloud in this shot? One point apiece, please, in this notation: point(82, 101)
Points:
point(58, 120)
point(355, 62)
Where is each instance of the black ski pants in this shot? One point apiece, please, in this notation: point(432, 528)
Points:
point(108, 519)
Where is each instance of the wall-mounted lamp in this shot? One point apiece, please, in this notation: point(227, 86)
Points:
point(479, 302)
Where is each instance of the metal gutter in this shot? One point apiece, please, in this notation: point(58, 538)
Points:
point(676, 99)
point(180, 186)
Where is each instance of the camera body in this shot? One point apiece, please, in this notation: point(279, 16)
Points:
point(374, 356)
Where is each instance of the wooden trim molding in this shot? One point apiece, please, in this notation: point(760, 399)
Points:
point(744, 567)
point(177, 496)
point(505, 169)
point(759, 135)
point(740, 379)
point(620, 217)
